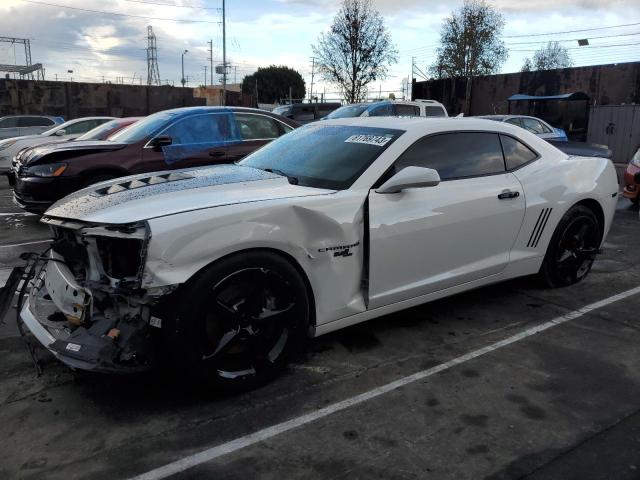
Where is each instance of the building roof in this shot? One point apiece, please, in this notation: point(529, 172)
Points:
point(564, 96)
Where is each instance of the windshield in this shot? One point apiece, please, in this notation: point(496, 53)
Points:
point(144, 128)
point(102, 131)
point(348, 111)
point(281, 110)
point(324, 156)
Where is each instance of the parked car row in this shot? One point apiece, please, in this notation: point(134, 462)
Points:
point(168, 140)
point(63, 131)
point(45, 168)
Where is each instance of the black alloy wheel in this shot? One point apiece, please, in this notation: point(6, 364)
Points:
point(244, 319)
point(572, 249)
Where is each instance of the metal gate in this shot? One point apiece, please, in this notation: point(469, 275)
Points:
point(618, 127)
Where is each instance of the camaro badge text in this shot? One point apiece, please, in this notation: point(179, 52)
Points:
point(341, 250)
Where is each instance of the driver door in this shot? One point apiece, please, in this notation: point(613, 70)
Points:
point(196, 140)
point(427, 239)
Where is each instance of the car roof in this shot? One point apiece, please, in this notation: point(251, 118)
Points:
point(34, 115)
point(425, 125)
point(207, 109)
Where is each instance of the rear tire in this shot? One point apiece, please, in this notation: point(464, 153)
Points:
point(572, 249)
point(239, 322)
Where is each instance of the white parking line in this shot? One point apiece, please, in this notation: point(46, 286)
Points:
point(4, 276)
point(24, 214)
point(35, 242)
point(269, 432)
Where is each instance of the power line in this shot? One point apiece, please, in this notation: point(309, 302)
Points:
point(571, 31)
point(102, 12)
point(574, 39)
point(584, 48)
point(173, 5)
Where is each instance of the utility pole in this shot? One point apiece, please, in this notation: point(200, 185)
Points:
point(210, 62)
point(313, 67)
point(205, 75)
point(183, 81)
point(224, 56)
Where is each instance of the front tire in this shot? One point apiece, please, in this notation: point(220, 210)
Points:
point(240, 321)
point(572, 249)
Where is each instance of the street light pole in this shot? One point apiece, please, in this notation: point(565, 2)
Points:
point(224, 55)
point(183, 79)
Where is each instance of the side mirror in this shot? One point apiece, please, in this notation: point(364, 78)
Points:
point(61, 132)
point(410, 177)
point(160, 142)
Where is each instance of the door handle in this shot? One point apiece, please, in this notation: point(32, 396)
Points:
point(217, 153)
point(506, 195)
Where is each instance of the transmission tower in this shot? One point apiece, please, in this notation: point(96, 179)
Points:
point(153, 74)
point(28, 69)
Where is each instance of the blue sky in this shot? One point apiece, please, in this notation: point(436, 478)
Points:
point(266, 32)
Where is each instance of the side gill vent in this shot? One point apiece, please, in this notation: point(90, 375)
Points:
point(140, 182)
point(539, 227)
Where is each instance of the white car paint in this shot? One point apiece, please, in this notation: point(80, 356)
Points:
point(11, 146)
point(405, 248)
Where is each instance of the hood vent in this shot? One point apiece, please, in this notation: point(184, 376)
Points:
point(140, 182)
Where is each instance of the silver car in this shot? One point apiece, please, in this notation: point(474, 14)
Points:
point(20, 125)
point(65, 131)
point(533, 124)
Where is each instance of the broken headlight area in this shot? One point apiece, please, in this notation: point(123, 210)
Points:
point(85, 303)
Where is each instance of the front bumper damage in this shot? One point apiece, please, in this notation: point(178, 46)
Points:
point(84, 302)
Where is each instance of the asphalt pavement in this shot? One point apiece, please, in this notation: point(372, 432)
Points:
point(504, 382)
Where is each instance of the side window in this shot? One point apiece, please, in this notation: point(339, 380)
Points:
point(82, 127)
point(545, 128)
point(34, 122)
point(304, 113)
point(407, 110)
point(514, 121)
point(10, 122)
point(434, 112)
point(199, 129)
point(533, 125)
point(515, 152)
point(324, 110)
point(456, 155)
point(382, 111)
point(256, 127)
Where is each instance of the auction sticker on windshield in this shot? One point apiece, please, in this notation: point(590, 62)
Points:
point(378, 140)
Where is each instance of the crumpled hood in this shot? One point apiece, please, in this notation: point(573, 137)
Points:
point(68, 149)
point(142, 197)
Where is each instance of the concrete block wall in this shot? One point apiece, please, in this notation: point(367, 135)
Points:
point(613, 84)
point(76, 99)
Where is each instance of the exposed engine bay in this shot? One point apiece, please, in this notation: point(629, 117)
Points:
point(85, 295)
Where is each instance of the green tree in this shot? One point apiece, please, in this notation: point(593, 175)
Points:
point(357, 49)
point(470, 42)
point(270, 84)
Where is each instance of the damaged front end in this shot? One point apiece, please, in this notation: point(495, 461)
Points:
point(84, 300)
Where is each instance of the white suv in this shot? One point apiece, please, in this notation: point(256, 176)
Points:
point(391, 108)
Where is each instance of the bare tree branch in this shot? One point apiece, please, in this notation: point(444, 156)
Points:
point(470, 42)
point(552, 56)
point(356, 51)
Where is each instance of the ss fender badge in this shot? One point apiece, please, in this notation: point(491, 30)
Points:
point(74, 347)
point(340, 250)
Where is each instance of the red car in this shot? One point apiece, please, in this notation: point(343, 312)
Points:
point(632, 179)
point(168, 140)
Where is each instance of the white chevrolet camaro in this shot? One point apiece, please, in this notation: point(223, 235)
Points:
point(223, 272)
